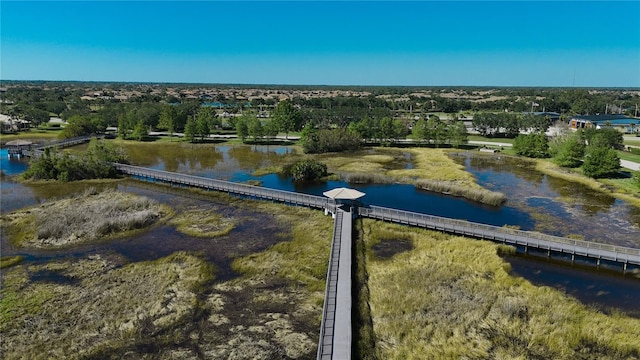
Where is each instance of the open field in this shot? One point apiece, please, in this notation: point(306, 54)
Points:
point(452, 298)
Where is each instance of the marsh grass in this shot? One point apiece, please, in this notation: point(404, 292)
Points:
point(452, 297)
point(367, 178)
point(434, 164)
point(484, 196)
point(112, 310)
point(8, 261)
point(200, 223)
point(304, 259)
point(83, 218)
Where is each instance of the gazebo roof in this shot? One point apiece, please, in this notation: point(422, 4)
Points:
point(343, 193)
point(19, 143)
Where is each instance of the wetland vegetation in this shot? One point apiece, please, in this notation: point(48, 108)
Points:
point(93, 303)
point(452, 297)
point(85, 218)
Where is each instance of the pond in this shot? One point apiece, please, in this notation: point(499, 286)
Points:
point(558, 207)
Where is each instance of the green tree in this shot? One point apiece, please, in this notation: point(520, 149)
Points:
point(306, 170)
point(458, 134)
point(600, 162)
point(607, 137)
point(287, 117)
point(241, 128)
point(535, 145)
point(78, 126)
point(270, 129)
point(205, 120)
point(140, 131)
point(421, 131)
point(168, 118)
point(254, 128)
point(190, 130)
point(569, 151)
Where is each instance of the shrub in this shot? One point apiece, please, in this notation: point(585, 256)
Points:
point(306, 170)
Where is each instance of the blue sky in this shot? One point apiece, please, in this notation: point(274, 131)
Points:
point(545, 43)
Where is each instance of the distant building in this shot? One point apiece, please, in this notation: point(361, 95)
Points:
point(553, 116)
point(622, 123)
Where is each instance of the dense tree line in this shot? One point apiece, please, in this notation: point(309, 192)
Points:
point(594, 150)
point(437, 132)
point(329, 140)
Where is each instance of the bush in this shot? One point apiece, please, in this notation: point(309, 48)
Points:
point(306, 170)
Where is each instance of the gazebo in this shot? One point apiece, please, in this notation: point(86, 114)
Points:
point(344, 196)
point(19, 148)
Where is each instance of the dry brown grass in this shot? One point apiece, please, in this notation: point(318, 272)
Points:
point(83, 218)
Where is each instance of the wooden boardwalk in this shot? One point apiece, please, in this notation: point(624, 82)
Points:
point(335, 331)
point(287, 197)
point(527, 239)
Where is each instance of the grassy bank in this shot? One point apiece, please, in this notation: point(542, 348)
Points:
point(33, 135)
point(432, 169)
point(83, 218)
point(452, 298)
point(622, 189)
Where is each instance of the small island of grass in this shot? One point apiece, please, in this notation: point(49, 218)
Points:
point(89, 217)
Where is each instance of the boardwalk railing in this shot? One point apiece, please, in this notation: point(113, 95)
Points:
point(335, 330)
point(287, 197)
point(59, 144)
point(509, 236)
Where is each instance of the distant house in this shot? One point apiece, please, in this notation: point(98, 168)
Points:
point(622, 123)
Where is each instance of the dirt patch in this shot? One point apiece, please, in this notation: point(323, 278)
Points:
point(386, 249)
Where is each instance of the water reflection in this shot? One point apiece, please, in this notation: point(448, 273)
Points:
point(558, 206)
point(601, 289)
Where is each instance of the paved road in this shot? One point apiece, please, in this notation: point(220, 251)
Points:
point(630, 165)
point(490, 143)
